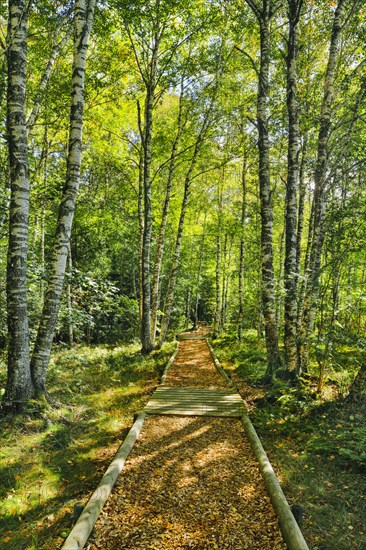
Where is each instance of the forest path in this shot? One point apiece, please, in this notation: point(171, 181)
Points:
point(190, 481)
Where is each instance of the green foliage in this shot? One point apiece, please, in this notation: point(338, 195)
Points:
point(99, 312)
point(346, 442)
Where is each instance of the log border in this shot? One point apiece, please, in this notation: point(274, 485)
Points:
point(79, 534)
point(290, 530)
point(169, 364)
point(219, 367)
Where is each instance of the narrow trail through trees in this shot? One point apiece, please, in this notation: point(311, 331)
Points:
point(190, 481)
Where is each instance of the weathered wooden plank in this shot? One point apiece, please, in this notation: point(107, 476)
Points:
point(212, 391)
point(195, 401)
point(190, 337)
point(192, 399)
point(185, 412)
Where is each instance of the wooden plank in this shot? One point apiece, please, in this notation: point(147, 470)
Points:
point(190, 337)
point(193, 398)
point(195, 401)
point(196, 390)
point(185, 412)
point(195, 405)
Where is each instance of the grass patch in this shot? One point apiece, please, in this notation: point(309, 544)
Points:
point(315, 443)
point(53, 459)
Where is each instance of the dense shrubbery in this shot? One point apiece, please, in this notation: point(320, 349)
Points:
point(99, 313)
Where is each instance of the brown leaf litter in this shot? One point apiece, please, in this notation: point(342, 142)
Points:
point(190, 482)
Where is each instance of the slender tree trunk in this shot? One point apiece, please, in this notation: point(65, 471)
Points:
point(43, 216)
point(155, 292)
point(19, 384)
point(303, 283)
point(146, 342)
point(319, 200)
point(226, 279)
point(292, 186)
point(301, 208)
point(218, 308)
point(84, 12)
point(264, 16)
point(69, 301)
point(242, 249)
point(279, 286)
point(199, 275)
point(169, 300)
point(140, 207)
point(56, 49)
point(188, 307)
point(224, 283)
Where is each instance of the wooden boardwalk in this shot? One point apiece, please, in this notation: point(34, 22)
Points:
point(193, 401)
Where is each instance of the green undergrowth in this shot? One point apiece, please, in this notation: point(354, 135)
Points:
point(316, 442)
point(52, 458)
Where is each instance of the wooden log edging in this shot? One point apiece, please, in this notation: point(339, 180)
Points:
point(169, 364)
point(219, 367)
point(84, 525)
point(291, 532)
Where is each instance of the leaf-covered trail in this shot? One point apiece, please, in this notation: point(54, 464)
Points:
point(190, 482)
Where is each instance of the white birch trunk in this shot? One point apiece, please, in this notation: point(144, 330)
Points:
point(292, 187)
point(19, 384)
point(84, 12)
point(264, 12)
point(319, 200)
point(155, 294)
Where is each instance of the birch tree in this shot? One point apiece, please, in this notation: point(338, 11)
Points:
point(169, 300)
point(242, 245)
point(317, 221)
point(292, 187)
point(146, 30)
point(264, 11)
point(83, 18)
point(19, 383)
point(155, 294)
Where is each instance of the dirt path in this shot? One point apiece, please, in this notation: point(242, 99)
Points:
point(190, 482)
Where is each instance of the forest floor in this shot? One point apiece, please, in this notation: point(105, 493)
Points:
point(190, 482)
point(316, 442)
point(51, 459)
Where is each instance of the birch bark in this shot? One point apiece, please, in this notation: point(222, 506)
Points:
point(292, 187)
point(19, 383)
point(319, 200)
point(242, 249)
point(218, 308)
point(169, 300)
point(264, 11)
point(84, 12)
point(155, 292)
point(147, 345)
point(199, 275)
